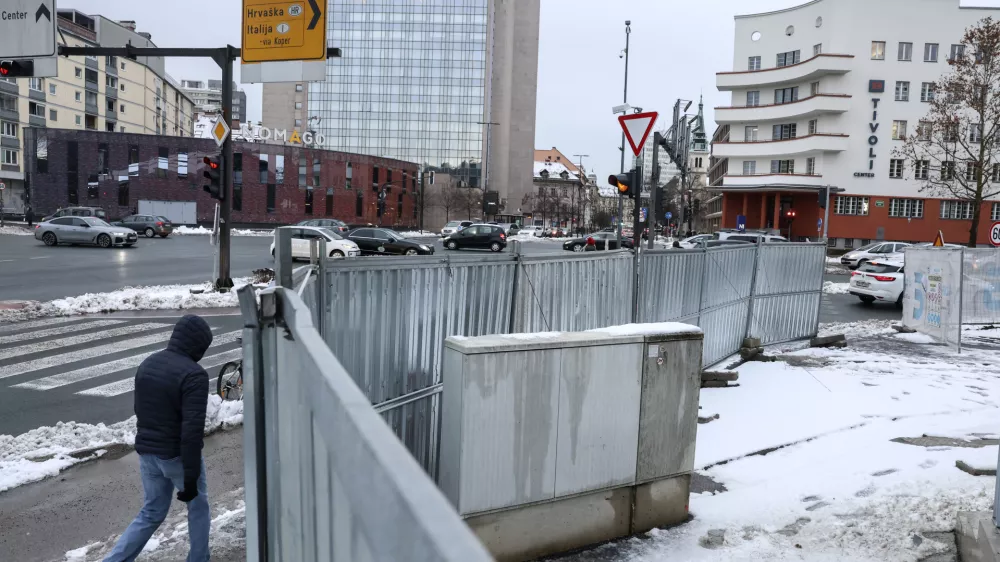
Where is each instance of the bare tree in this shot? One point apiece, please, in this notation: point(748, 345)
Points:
point(449, 200)
point(957, 143)
point(471, 201)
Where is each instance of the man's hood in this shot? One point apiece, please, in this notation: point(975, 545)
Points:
point(192, 336)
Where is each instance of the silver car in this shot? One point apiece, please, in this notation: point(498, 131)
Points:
point(84, 230)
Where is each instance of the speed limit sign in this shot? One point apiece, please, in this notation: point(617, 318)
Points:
point(995, 234)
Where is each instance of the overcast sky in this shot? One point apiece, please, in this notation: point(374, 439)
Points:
point(677, 46)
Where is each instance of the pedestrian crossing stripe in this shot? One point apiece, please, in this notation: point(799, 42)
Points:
point(49, 345)
point(94, 371)
point(128, 385)
point(7, 328)
point(26, 336)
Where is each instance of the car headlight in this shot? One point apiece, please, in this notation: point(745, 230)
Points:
point(425, 248)
point(120, 234)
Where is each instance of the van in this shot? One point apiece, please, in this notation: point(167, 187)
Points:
point(78, 212)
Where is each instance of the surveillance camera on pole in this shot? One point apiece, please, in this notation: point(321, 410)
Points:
point(623, 108)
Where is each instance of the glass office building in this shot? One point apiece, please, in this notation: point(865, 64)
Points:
point(411, 83)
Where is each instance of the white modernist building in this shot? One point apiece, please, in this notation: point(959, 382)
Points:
point(821, 95)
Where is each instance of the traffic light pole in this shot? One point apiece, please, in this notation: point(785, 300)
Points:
point(636, 182)
point(621, 200)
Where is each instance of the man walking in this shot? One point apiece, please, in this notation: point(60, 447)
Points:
point(29, 216)
point(171, 393)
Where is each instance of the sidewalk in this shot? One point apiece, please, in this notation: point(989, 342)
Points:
point(94, 502)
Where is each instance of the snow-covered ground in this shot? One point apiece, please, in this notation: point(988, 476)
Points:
point(47, 451)
point(15, 231)
point(831, 288)
point(202, 231)
point(805, 449)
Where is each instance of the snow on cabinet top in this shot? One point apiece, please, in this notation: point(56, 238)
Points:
point(629, 333)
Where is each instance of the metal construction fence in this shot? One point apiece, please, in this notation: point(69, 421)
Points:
point(326, 480)
point(386, 318)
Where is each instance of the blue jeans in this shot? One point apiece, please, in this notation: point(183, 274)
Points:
point(160, 477)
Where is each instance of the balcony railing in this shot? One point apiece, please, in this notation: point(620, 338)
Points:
point(817, 142)
point(805, 71)
point(818, 104)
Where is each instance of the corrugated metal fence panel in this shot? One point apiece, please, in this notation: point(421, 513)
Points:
point(670, 285)
point(780, 318)
point(728, 275)
point(790, 268)
point(981, 286)
point(724, 329)
point(573, 293)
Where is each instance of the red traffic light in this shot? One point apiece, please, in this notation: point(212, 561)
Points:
point(790, 214)
point(211, 163)
point(4, 69)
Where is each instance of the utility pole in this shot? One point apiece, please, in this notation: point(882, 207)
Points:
point(621, 201)
point(486, 163)
point(583, 182)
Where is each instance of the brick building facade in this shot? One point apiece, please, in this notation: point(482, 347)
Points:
point(273, 184)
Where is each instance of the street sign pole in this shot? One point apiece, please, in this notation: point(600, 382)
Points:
point(225, 282)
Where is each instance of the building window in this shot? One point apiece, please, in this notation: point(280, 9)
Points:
point(329, 201)
point(399, 205)
point(878, 50)
point(72, 169)
point(52, 88)
point(787, 59)
point(957, 52)
point(947, 170)
point(298, 105)
point(753, 98)
point(817, 49)
point(995, 174)
point(786, 95)
point(851, 205)
point(110, 61)
point(78, 97)
point(930, 52)
point(78, 121)
point(302, 170)
point(262, 168)
point(906, 51)
point(316, 171)
point(298, 123)
point(238, 168)
point(921, 169)
point(123, 66)
point(971, 171)
point(279, 169)
point(182, 163)
point(753, 63)
point(8, 157)
point(951, 132)
point(163, 162)
point(811, 166)
point(272, 191)
point(924, 130)
point(899, 130)
point(123, 196)
point(927, 91)
point(906, 208)
point(122, 86)
point(93, 187)
point(8, 129)
point(133, 160)
point(782, 132)
point(298, 87)
point(375, 176)
point(111, 82)
point(751, 134)
point(896, 169)
point(53, 115)
point(35, 84)
point(956, 210)
point(814, 88)
point(359, 203)
point(121, 109)
point(782, 166)
point(350, 170)
point(902, 91)
point(102, 159)
point(36, 109)
point(309, 200)
point(976, 133)
point(813, 126)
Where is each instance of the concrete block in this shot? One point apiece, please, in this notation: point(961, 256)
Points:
point(989, 540)
point(719, 376)
point(827, 341)
point(537, 530)
point(714, 384)
point(668, 422)
point(661, 503)
point(751, 342)
point(748, 353)
point(967, 534)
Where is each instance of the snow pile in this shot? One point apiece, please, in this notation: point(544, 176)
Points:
point(47, 451)
point(649, 329)
point(202, 231)
point(15, 231)
point(810, 451)
point(417, 234)
point(855, 330)
point(831, 288)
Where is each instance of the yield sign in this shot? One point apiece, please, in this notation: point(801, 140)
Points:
point(637, 128)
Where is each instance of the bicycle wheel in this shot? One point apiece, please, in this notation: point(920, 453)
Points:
point(229, 385)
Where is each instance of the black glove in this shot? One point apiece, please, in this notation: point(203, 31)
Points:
point(189, 492)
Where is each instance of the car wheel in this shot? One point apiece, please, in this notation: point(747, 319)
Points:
point(336, 254)
point(867, 300)
point(411, 252)
point(899, 301)
point(49, 239)
point(495, 247)
point(150, 233)
point(860, 263)
point(104, 241)
point(577, 247)
point(452, 245)
point(272, 254)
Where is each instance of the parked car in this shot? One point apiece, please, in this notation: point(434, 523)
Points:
point(752, 236)
point(554, 232)
point(382, 242)
point(603, 241)
point(535, 231)
point(84, 230)
point(148, 225)
point(512, 228)
point(483, 236)
point(340, 227)
point(454, 226)
point(881, 280)
point(692, 241)
point(336, 245)
point(867, 253)
point(77, 212)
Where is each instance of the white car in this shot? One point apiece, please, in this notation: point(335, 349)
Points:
point(880, 280)
point(874, 251)
point(535, 231)
point(752, 236)
point(693, 241)
point(453, 227)
point(336, 245)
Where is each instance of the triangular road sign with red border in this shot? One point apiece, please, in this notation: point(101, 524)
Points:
point(638, 127)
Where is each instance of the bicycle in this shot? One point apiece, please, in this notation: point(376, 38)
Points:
point(229, 385)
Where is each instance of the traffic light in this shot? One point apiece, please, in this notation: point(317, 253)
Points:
point(624, 183)
point(790, 213)
point(824, 196)
point(17, 68)
point(214, 175)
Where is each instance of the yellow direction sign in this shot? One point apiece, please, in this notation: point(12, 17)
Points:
point(293, 30)
point(220, 130)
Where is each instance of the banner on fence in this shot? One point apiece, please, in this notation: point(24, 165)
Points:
point(933, 290)
point(981, 286)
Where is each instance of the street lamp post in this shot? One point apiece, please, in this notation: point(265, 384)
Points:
point(583, 182)
point(621, 200)
point(486, 162)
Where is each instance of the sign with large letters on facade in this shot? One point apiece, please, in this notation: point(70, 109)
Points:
point(872, 130)
point(259, 133)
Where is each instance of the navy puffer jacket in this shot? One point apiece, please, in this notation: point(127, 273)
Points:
point(171, 393)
